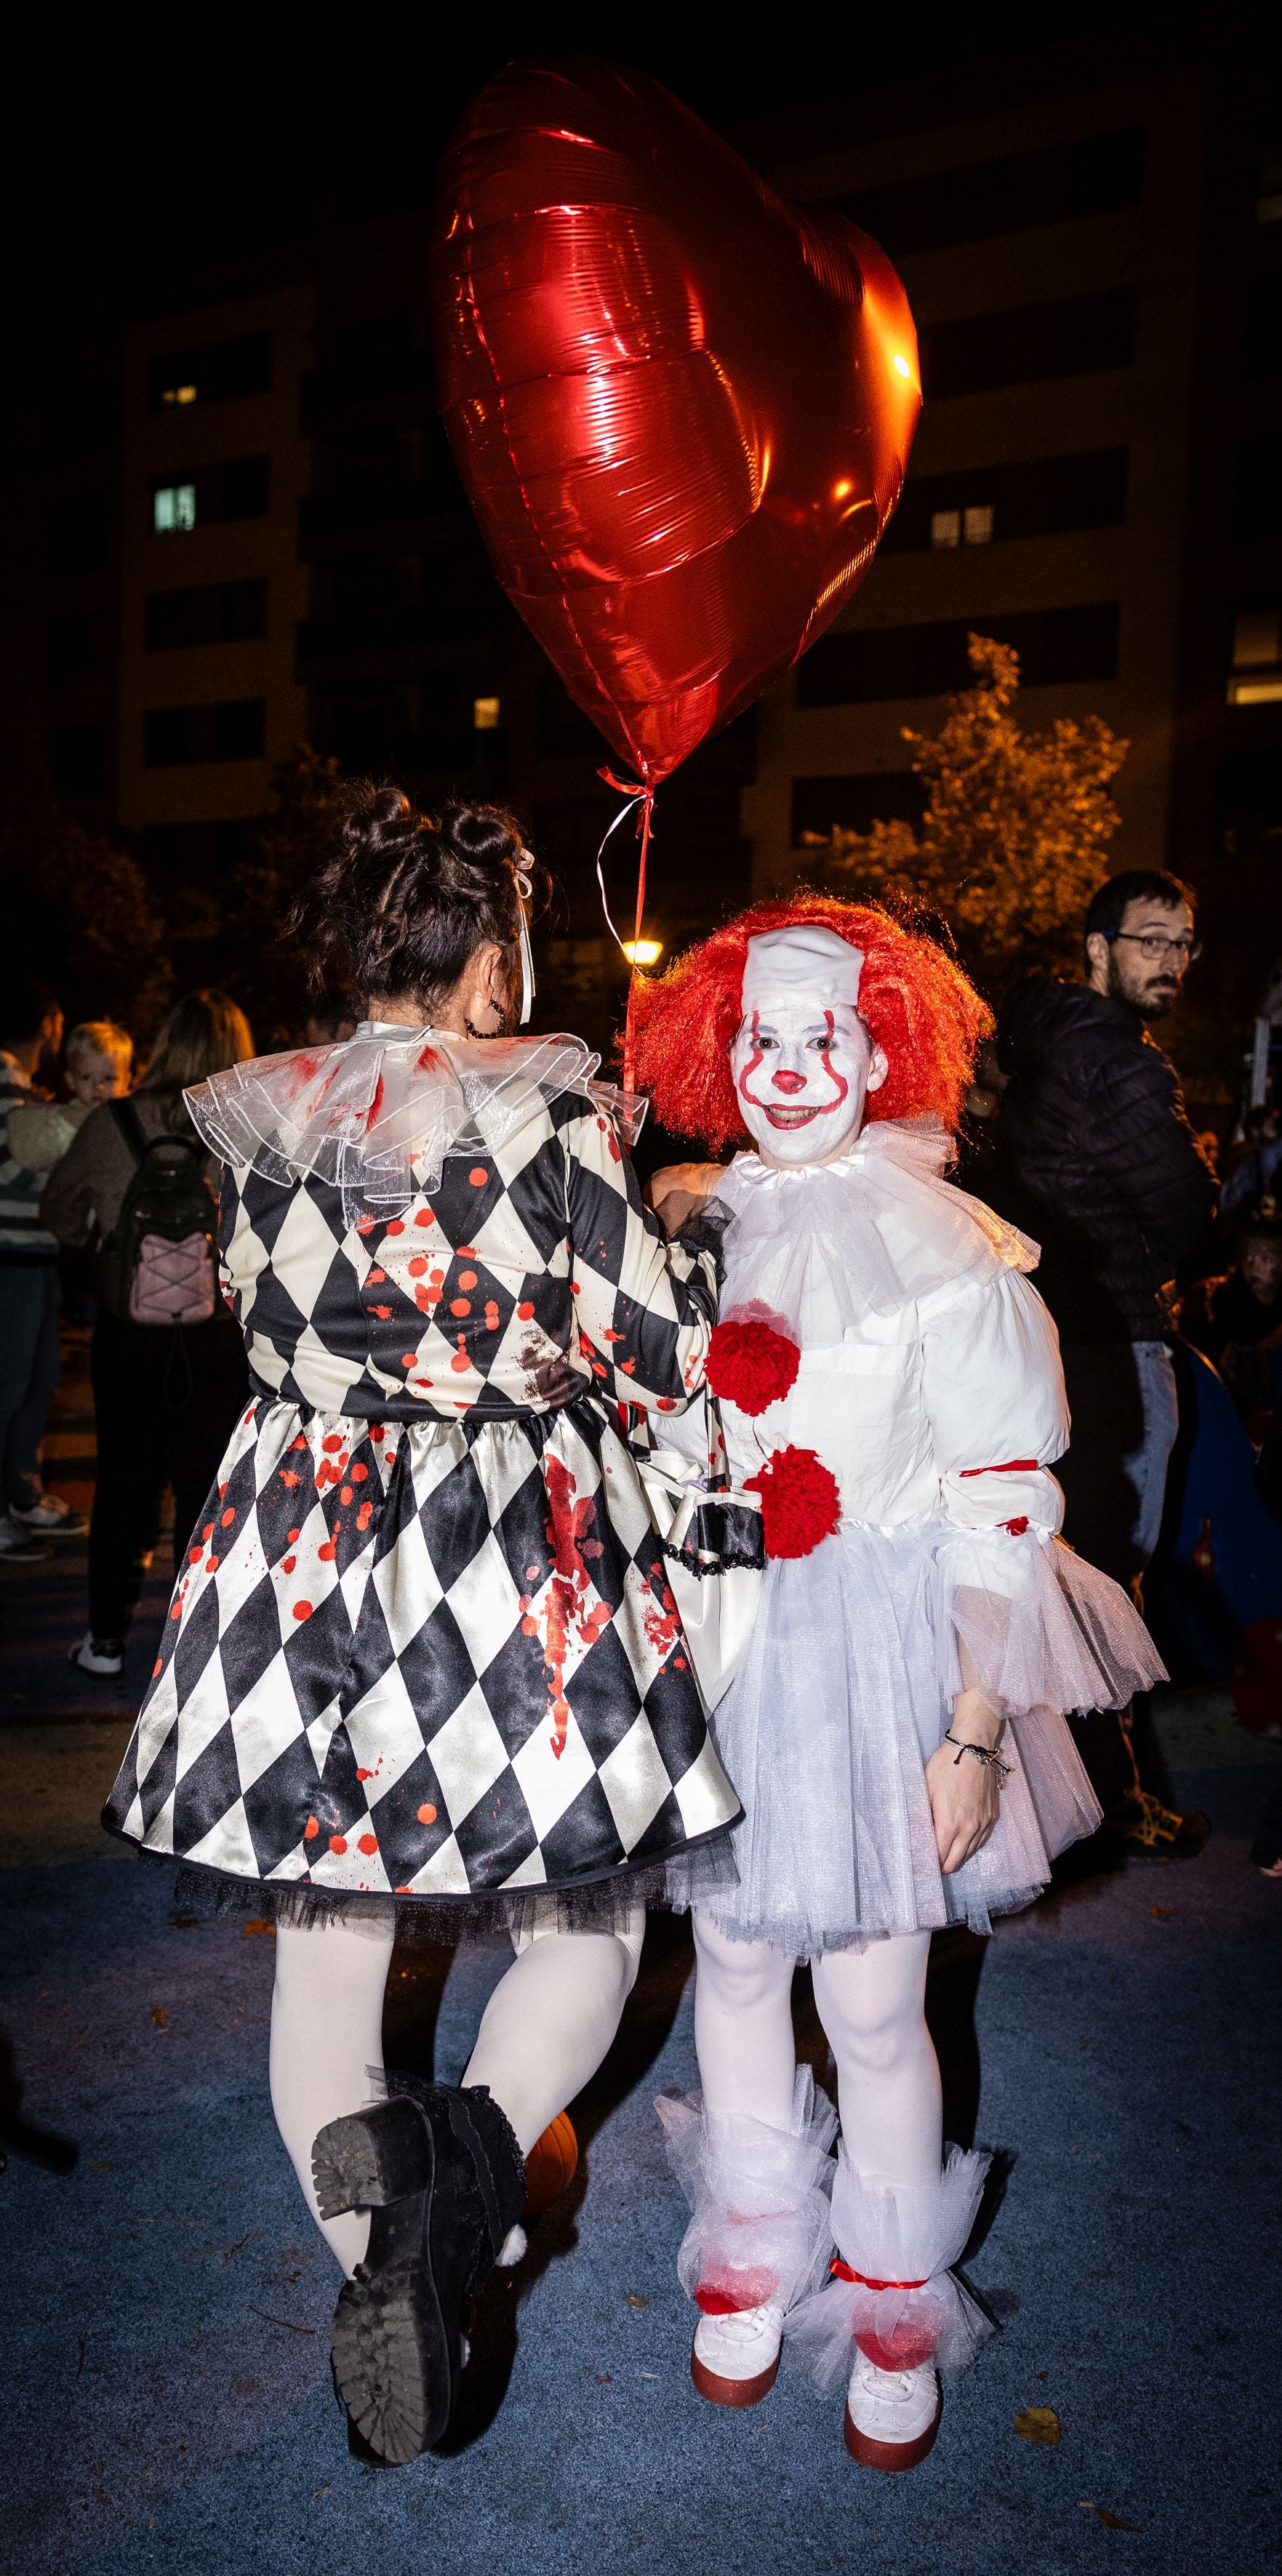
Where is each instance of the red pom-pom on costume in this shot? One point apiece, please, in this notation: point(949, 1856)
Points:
point(800, 1501)
point(751, 1365)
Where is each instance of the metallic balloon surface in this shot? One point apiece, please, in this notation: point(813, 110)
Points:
point(681, 408)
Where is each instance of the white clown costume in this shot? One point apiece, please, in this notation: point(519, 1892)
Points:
point(890, 1387)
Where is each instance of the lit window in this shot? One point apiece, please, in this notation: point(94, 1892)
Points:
point(173, 505)
point(945, 528)
point(178, 394)
point(1256, 676)
point(485, 715)
point(977, 525)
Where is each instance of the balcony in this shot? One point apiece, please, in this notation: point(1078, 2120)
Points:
point(398, 630)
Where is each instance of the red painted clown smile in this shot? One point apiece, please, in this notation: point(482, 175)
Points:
point(799, 1117)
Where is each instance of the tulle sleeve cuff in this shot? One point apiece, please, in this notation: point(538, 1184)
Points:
point(1034, 1626)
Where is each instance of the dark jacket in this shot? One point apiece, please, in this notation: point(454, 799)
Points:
point(1096, 1158)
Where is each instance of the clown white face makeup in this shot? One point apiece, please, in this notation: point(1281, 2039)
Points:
point(803, 1061)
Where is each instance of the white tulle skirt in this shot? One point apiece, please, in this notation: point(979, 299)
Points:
point(843, 1695)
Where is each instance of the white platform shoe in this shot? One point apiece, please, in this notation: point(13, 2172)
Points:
point(892, 2416)
point(735, 2359)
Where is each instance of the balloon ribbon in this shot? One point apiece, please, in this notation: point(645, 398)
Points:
point(644, 796)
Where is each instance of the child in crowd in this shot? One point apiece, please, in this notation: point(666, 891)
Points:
point(98, 1059)
point(1236, 1320)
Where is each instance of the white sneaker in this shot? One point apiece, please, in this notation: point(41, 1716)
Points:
point(892, 2416)
point(50, 1517)
point(735, 2360)
point(102, 1655)
point(17, 1546)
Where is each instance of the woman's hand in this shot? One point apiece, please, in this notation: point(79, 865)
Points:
point(965, 1797)
point(680, 1190)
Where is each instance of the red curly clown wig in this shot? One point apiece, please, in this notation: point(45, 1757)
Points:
point(918, 1006)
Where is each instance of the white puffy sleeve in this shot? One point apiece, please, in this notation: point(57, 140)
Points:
point(1031, 1624)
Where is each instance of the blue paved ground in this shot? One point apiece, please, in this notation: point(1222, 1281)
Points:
point(168, 2401)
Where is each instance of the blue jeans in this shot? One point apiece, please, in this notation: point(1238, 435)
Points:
point(1125, 1414)
point(30, 1368)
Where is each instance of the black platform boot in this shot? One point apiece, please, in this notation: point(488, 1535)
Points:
point(441, 2174)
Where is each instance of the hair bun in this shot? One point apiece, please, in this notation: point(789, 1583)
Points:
point(482, 834)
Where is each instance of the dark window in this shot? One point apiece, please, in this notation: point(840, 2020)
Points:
point(216, 373)
point(75, 644)
point(244, 488)
point(223, 612)
point(77, 759)
point(1053, 644)
point(1257, 491)
point(1028, 344)
point(1262, 336)
point(822, 806)
point(77, 534)
point(176, 736)
point(1042, 498)
point(1056, 185)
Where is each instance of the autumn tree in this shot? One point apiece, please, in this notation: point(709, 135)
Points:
point(259, 961)
point(79, 916)
point(1012, 842)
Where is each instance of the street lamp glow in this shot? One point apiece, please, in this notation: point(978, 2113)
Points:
point(642, 952)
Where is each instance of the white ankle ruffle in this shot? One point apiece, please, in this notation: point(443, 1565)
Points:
point(892, 2289)
point(760, 2232)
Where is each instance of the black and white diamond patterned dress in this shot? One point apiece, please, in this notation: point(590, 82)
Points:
point(424, 1645)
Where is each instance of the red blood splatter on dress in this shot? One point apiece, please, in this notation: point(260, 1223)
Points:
point(467, 1279)
point(302, 1609)
point(526, 1309)
point(367, 1843)
point(565, 1614)
point(384, 1313)
point(327, 1550)
point(478, 1176)
point(338, 1843)
point(427, 1815)
point(311, 1829)
point(228, 1518)
point(359, 1474)
point(395, 1225)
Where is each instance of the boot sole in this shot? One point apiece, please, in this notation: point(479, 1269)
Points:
point(732, 2392)
point(890, 2455)
point(372, 2158)
point(390, 2353)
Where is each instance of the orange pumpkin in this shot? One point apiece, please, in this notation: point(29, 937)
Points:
point(550, 2164)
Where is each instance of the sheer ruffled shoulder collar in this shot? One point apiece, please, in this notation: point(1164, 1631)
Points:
point(827, 1245)
point(378, 1113)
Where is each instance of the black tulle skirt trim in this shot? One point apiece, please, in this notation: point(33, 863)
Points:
point(601, 1905)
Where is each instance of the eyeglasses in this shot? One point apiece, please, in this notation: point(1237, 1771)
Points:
point(1155, 946)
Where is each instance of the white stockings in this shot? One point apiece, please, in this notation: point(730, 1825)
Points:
point(544, 2032)
point(871, 2004)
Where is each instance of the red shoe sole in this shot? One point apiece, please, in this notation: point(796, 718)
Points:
point(890, 2455)
point(732, 2392)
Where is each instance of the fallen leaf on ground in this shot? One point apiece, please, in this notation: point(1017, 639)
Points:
point(160, 2016)
point(1167, 1914)
point(633, 2299)
point(1111, 2521)
point(99, 2164)
point(318, 2493)
point(182, 1921)
point(1038, 2424)
point(257, 1923)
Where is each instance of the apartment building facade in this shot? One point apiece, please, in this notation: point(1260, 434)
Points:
point(243, 528)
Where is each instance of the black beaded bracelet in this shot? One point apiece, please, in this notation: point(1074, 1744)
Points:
point(991, 1761)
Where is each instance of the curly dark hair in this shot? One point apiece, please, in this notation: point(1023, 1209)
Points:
point(405, 899)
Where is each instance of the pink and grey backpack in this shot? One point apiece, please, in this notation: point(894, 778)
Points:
point(159, 1263)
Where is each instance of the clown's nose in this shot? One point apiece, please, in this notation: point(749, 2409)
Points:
point(786, 1081)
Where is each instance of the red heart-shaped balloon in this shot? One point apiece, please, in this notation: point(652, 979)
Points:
point(682, 409)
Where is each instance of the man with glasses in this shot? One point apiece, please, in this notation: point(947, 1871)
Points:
point(1095, 1157)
